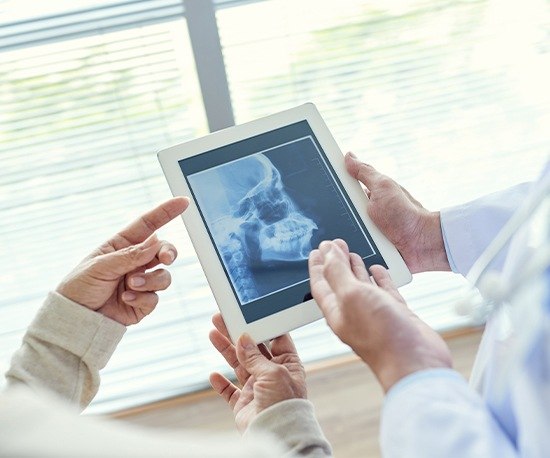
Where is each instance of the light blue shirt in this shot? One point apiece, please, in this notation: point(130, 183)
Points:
point(506, 413)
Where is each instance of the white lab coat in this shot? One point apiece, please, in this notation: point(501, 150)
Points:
point(505, 411)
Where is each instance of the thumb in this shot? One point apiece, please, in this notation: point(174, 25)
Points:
point(127, 259)
point(362, 172)
point(250, 357)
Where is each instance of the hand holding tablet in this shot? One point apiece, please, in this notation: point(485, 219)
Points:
point(264, 195)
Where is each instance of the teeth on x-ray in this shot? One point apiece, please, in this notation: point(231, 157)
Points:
point(265, 224)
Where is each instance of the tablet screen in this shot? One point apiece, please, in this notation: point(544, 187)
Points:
point(266, 202)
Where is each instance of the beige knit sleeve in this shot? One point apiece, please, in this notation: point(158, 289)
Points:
point(63, 350)
point(294, 424)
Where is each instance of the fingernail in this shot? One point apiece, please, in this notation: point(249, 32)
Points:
point(353, 156)
point(128, 296)
point(246, 342)
point(171, 255)
point(137, 281)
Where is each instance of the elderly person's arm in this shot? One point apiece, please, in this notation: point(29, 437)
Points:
point(80, 324)
point(72, 338)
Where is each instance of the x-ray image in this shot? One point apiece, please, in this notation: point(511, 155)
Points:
point(268, 210)
point(254, 222)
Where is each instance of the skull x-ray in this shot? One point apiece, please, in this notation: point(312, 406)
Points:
point(255, 223)
point(266, 211)
point(262, 214)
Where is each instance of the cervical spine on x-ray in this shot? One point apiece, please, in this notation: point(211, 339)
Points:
point(264, 225)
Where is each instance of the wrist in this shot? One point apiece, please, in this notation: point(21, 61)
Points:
point(390, 374)
point(430, 253)
point(63, 289)
point(392, 365)
point(72, 293)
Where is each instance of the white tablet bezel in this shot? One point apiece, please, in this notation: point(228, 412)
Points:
point(291, 318)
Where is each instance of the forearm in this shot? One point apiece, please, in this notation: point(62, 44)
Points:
point(34, 425)
point(63, 350)
point(294, 424)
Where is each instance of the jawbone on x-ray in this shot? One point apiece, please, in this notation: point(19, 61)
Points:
point(252, 219)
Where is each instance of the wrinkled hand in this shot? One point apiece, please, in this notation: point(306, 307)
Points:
point(115, 280)
point(371, 316)
point(415, 231)
point(266, 376)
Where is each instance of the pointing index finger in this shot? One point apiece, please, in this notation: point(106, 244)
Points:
point(146, 224)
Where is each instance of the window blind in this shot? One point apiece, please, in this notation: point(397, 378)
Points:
point(81, 121)
point(448, 98)
point(62, 20)
point(90, 90)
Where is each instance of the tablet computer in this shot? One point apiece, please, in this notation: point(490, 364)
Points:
point(263, 195)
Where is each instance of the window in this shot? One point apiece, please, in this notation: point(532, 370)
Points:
point(447, 97)
point(81, 121)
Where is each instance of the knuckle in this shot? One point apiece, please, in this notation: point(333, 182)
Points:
point(385, 182)
point(229, 355)
point(148, 224)
point(278, 371)
point(294, 364)
point(350, 295)
point(363, 171)
point(132, 253)
point(254, 358)
point(226, 392)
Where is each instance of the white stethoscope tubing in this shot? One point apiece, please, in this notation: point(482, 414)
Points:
point(489, 284)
